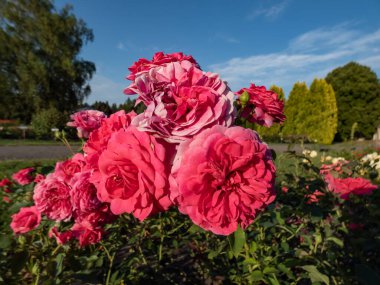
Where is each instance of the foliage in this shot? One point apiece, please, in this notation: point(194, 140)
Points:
point(292, 243)
point(39, 63)
point(322, 122)
point(44, 121)
point(357, 91)
point(296, 110)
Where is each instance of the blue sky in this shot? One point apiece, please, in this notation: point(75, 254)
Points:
point(260, 41)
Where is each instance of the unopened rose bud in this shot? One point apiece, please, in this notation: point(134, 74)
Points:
point(244, 98)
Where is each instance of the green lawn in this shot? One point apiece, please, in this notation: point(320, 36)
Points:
point(8, 167)
point(13, 142)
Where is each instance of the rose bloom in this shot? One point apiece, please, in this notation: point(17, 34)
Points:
point(27, 219)
point(23, 176)
point(181, 101)
point(314, 198)
point(39, 177)
point(83, 196)
point(223, 178)
point(86, 234)
point(159, 58)
point(52, 198)
point(346, 186)
point(133, 174)
point(60, 237)
point(5, 182)
point(99, 138)
point(65, 170)
point(263, 106)
point(86, 121)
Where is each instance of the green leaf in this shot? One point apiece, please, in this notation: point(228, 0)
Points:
point(257, 275)
point(269, 270)
point(273, 281)
point(239, 241)
point(315, 275)
point(59, 263)
point(336, 241)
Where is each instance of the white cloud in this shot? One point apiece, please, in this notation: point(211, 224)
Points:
point(312, 54)
point(225, 38)
point(120, 46)
point(271, 12)
point(105, 89)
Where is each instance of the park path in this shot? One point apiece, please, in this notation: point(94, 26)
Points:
point(35, 152)
point(62, 152)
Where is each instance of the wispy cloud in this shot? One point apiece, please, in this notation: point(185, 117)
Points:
point(270, 12)
point(224, 38)
point(312, 54)
point(120, 46)
point(105, 89)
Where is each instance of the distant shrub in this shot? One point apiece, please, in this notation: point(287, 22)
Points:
point(44, 121)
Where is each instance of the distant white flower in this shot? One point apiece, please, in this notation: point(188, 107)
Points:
point(328, 158)
point(313, 154)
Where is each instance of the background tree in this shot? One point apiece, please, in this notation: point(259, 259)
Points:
point(357, 91)
point(322, 120)
point(296, 110)
point(273, 133)
point(39, 63)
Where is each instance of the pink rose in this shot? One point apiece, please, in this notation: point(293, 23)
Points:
point(263, 107)
point(133, 174)
point(27, 219)
point(86, 235)
point(83, 196)
point(159, 58)
point(5, 182)
point(39, 177)
point(344, 187)
point(222, 178)
point(98, 139)
point(314, 198)
point(86, 121)
point(6, 199)
point(60, 237)
point(181, 101)
point(65, 170)
point(52, 198)
point(23, 176)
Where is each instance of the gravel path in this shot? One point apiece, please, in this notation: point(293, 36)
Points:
point(61, 152)
point(34, 152)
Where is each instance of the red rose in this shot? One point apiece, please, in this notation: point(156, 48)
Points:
point(133, 174)
point(23, 176)
point(222, 178)
point(52, 198)
point(263, 106)
point(27, 219)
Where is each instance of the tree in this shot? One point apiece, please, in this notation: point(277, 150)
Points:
point(274, 132)
point(102, 106)
point(39, 63)
point(322, 121)
point(357, 91)
point(296, 110)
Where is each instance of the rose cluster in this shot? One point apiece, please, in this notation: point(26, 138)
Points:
point(183, 151)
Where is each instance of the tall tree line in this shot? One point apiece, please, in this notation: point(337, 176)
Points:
point(40, 67)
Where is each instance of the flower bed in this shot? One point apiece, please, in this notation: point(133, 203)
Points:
point(179, 194)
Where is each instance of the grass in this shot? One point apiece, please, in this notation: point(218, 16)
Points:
point(21, 142)
point(8, 167)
